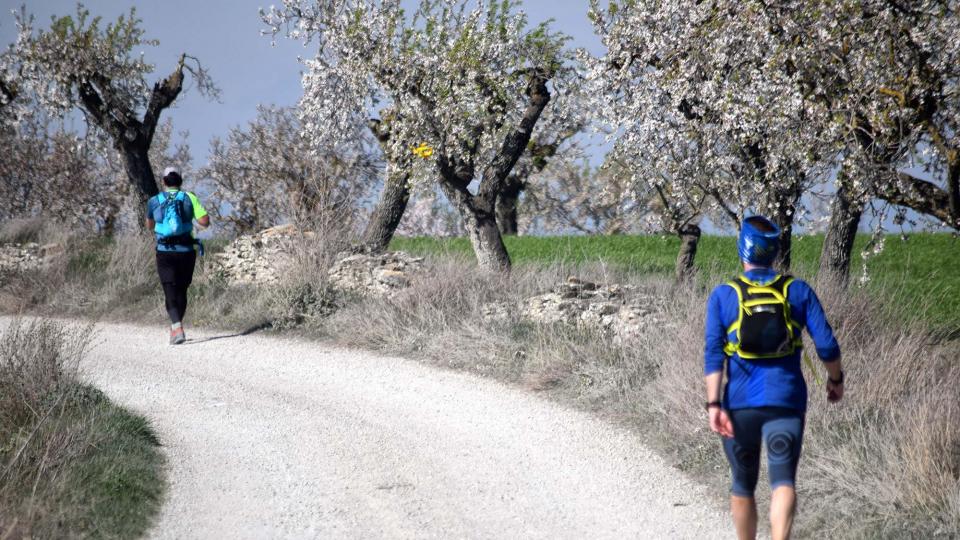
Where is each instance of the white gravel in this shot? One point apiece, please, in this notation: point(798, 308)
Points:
point(271, 438)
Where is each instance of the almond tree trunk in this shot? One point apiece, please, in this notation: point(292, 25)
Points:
point(507, 206)
point(785, 210)
point(845, 214)
point(389, 211)
point(478, 211)
point(689, 240)
point(136, 162)
point(130, 135)
point(480, 222)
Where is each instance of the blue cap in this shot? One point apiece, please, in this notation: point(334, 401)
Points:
point(759, 241)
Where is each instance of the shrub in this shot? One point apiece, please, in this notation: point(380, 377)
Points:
point(73, 463)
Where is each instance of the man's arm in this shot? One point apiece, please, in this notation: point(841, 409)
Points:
point(713, 360)
point(826, 344)
point(199, 212)
point(149, 222)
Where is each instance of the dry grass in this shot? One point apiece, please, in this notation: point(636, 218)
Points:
point(37, 230)
point(884, 463)
point(73, 464)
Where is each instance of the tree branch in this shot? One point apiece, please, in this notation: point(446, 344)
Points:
point(952, 157)
point(8, 93)
point(919, 195)
point(163, 95)
point(723, 206)
point(95, 106)
point(515, 143)
point(380, 132)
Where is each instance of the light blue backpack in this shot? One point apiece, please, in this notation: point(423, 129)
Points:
point(174, 227)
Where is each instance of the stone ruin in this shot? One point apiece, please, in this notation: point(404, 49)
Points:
point(619, 310)
point(622, 311)
point(380, 275)
point(260, 258)
point(19, 258)
point(263, 258)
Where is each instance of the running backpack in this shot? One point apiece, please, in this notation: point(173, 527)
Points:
point(763, 327)
point(174, 227)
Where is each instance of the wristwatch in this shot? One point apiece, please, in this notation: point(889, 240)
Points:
point(713, 404)
point(837, 383)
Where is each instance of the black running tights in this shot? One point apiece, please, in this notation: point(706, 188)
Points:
point(176, 300)
point(176, 274)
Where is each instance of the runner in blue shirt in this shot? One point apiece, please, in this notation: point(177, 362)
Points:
point(171, 215)
point(753, 328)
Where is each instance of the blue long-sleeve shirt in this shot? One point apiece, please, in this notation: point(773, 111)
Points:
point(773, 382)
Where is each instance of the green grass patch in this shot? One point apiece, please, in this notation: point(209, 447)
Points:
point(73, 464)
point(918, 271)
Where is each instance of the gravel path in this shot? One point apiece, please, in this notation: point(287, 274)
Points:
point(271, 437)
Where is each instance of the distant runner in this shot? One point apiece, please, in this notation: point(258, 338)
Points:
point(754, 325)
point(170, 215)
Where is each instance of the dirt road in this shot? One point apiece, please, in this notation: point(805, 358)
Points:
point(271, 437)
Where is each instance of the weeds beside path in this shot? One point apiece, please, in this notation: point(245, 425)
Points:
point(72, 463)
point(882, 464)
point(920, 267)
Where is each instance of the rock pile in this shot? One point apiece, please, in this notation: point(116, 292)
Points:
point(264, 257)
point(619, 310)
point(381, 274)
point(15, 258)
point(260, 258)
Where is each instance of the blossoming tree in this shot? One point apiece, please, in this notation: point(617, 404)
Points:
point(464, 81)
point(887, 75)
point(80, 64)
point(268, 172)
point(779, 98)
point(683, 87)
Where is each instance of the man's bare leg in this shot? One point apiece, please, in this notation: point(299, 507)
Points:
point(744, 510)
point(783, 505)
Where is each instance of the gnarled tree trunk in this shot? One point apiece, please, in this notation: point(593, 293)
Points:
point(845, 214)
point(136, 162)
point(479, 210)
point(689, 239)
point(132, 137)
point(785, 210)
point(480, 222)
point(389, 211)
point(507, 205)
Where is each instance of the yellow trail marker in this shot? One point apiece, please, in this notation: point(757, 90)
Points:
point(424, 150)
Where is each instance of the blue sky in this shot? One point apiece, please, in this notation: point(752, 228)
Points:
point(225, 36)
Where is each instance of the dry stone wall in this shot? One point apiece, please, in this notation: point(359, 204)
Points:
point(19, 258)
point(623, 311)
point(377, 275)
point(264, 257)
point(261, 258)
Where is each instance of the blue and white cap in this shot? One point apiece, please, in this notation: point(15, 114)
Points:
point(759, 241)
